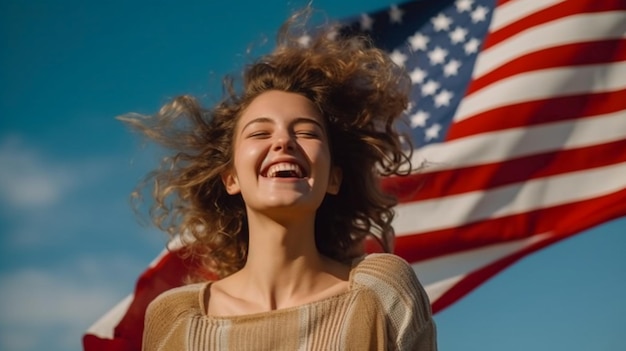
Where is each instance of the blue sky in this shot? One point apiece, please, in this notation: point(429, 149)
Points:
point(70, 246)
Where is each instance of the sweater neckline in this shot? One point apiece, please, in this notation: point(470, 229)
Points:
point(206, 289)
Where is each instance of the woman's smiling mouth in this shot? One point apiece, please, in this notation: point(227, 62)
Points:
point(284, 170)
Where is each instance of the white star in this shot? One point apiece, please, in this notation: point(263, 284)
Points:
point(430, 88)
point(441, 22)
point(480, 14)
point(398, 58)
point(366, 22)
point(451, 68)
point(463, 5)
point(437, 55)
point(395, 14)
point(418, 41)
point(471, 46)
point(417, 75)
point(304, 40)
point(418, 119)
point(433, 131)
point(458, 35)
point(443, 98)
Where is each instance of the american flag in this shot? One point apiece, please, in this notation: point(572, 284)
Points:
point(518, 114)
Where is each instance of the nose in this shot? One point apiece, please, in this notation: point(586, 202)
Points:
point(284, 142)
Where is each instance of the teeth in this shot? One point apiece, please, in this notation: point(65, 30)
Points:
point(284, 167)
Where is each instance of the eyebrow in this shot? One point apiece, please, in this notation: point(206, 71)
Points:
point(298, 120)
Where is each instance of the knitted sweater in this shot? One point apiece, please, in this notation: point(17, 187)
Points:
point(385, 308)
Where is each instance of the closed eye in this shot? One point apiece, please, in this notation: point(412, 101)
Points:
point(307, 134)
point(259, 135)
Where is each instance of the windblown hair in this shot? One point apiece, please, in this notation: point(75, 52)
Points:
point(361, 94)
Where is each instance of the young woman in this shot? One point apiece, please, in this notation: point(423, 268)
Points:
point(277, 187)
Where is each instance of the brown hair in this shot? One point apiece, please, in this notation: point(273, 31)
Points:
point(361, 93)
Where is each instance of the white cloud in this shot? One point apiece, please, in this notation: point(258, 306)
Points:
point(38, 305)
point(31, 178)
point(26, 179)
point(58, 204)
point(47, 198)
point(39, 298)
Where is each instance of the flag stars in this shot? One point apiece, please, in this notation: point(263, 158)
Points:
point(395, 14)
point(441, 22)
point(398, 58)
point(430, 88)
point(463, 5)
point(471, 47)
point(366, 22)
point(437, 55)
point(480, 14)
point(432, 132)
point(443, 98)
point(451, 68)
point(417, 75)
point(418, 119)
point(458, 35)
point(418, 41)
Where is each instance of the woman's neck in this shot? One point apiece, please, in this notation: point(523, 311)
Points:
point(276, 249)
point(284, 267)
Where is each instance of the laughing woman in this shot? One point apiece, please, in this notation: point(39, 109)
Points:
point(278, 186)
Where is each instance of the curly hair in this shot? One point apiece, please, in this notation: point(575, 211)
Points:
point(361, 94)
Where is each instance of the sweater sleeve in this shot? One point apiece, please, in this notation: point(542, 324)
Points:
point(404, 301)
point(166, 315)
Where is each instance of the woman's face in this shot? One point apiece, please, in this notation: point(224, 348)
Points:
point(281, 155)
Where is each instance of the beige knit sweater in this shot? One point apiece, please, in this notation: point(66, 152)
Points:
point(385, 308)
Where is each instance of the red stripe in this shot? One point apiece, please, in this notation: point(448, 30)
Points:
point(476, 278)
point(433, 185)
point(557, 219)
point(590, 219)
point(587, 53)
point(94, 343)
point(539, 112)
point(556, 12)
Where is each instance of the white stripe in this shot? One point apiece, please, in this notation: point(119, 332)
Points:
point(455, 210)
point(462, 263)
point(438, 275)
point(103, 327)
point(511, 143)
point(543, 84)
point(304, 317)
point(435, 290)
point(513, 11)
point(568, 30)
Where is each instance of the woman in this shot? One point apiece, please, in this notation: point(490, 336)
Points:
point(275, 190)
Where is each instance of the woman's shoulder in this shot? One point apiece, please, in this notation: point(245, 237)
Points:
point(178, 300)
point(168, 312)
point(401, 296)
point(390, 277)
point(382, 265)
